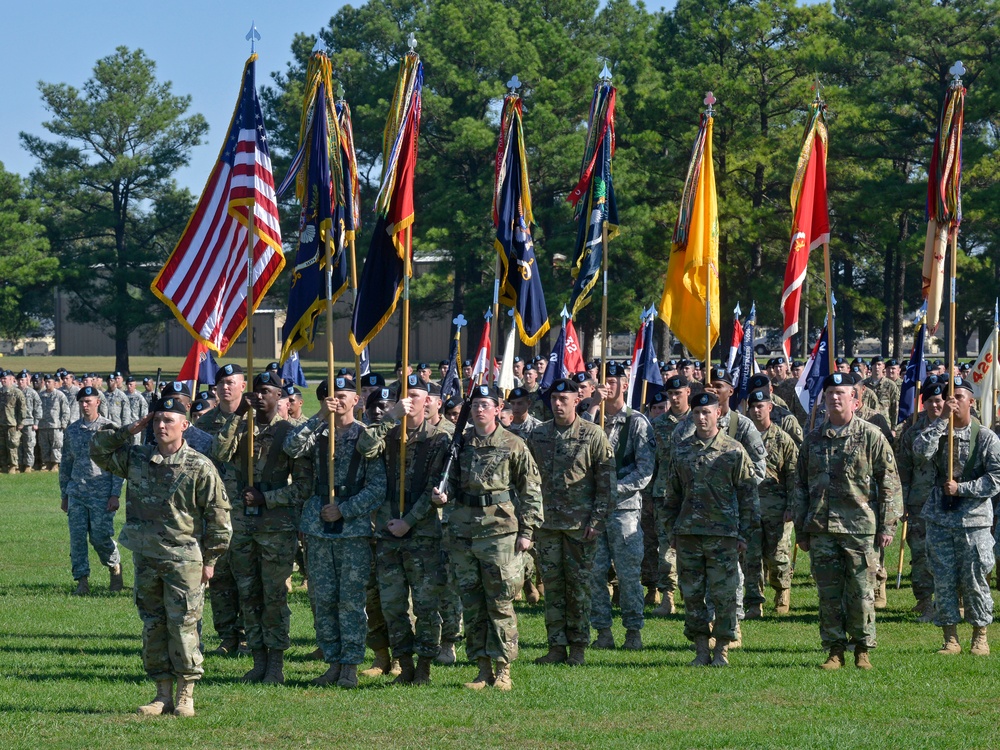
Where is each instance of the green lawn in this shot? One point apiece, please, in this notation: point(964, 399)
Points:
point(71, 676)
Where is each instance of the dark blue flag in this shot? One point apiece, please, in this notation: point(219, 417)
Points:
point(291, 371)
point(646, 370)
point(554, 370)
point(207, 368)
point(451, 383)
point(916, 373)
point(810, 383)
point(743, 365)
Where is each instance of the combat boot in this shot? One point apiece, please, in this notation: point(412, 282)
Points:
point(316, 655)
point(652, 597)
point(243, 649)
point(980, 646)
point(406, 670)
point(348, 676)
point(27, 470)
point(835, 660)
point(184, 700)
point(502, 680)
point(929, 612)
point(228, 647)
point(737, 642)
point(604, 640)
point(880, 599)
point(422, 675)
point(782, 598)
point(704, 655)
point(633, 640)
point(116, 579)
point(951, 645)
point(446, 655)
point(754, 612)
point(577, 654)
point(921, 606)
point(531, 593)
point(666, 607)
point(329, 677)
point(259, 669)
point(721, 653)
point(861, 660)
point(82, 586)
point(556, 655)
point(380, 665)
point(163, 703)
point(275, 674)
point(485, 677)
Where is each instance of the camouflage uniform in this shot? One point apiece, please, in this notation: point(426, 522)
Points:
point(339, 553)
point(409, 566)
point(70, 391)
point(450, 593)
point(771, 542)
point(538, 409)
point(787, 422)
point(785, 390)
point(844, 474)
point(526, 427)
point(52, 425)
point(916, 476)
point(710, 505)
point(87, 489)
point(119, 409)
point(176, 521)
point(621, 542)
point(959, 543)
point(494, 493)
point(663, 428)
point(523, 431)
point(875, 418)
point(886, 392)
point(13, 412)
point(139, 408)
point(29, 429)
point(577, 467)
point(265, 538)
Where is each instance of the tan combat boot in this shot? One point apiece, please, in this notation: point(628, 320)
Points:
point(861, 660)
point(782, 601)
point(951, 645)
point(880, 598)
point(446, 655)
point(116, 579)
point(652, 597)
point(737, 642)
point(348, 676)
point(604, 640)
point(721, 653)
point(666, 607)
point(275, 674)
point(531, 593)
point(980, 646)
point(184, 700)
point(633, 640)
point(556, 655)
point(82, 586)
point(485, 677)
point(704, 655)
point(163, 703)
point(577, 654)
point(259, 669)
point(329, 677)
point(422, 674)
point(406, 670)
point(502, 680)
point(380, 665)
point(835, 660)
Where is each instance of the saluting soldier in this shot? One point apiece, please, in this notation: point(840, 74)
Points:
point(495, 491)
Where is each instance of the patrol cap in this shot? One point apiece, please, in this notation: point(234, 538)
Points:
point(614, 369)
point(176, 388)
point(932, 388)
point(415, 384)
point(721, 373)
point(170, 404)
point(226, 370)
point(268, 379)
point(964, 384)
point(518, 393)
point(705, 398)
point(372, 380)
point(759, 380)
point(755, 397)
point(87, 390)
point(660, 397)
point(675, 382)
point(564, 385)
point(382, 394)
point(837, 379)
point(485, 391)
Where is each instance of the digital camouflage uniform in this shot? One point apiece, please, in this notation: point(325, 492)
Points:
point(916, 476)
point(87, 489)
point(663, 428)
point(577, 467)
point(176, 521)
point(139, 408)
point(52, 425)
point(844, 475)
point(70, 391)
point(768, 550)
point(13, 412)
point(265, 539)
point(409, 566)
point(29, 429)
point(886, 392)
point(339, 553)
point(494, 492)
point(119, 409)
point(621, 542)
point(959, 542)
point(711, 505)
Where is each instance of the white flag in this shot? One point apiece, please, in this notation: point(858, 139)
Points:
point(506, 380)
point(983, 376)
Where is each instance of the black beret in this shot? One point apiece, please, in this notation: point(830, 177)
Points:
point(517, 359)
point(721, 373)
point(518, 393)
point(529, 366)
point(796, 363)
point(452, 402)
point(349, 371)
point(423, 366)
point(272, 366)
point(770, 362)
point(343, 384)
point(287, 391)
point(779, 360)
point(858, 361)
point(268, 379)
point(876, 359)
point(840, 361)
point(87, 390)
point(177, 388)
point(671, 363)
point(685, 363)
point(628, 363)
point(705, 398)
point(964, 383)
point(226, 370)
point(467, 363)
point(171, 404)
point(759, 380)
point(836, 379)
point(484, 391)
point(48, 377)
point(434, 389)
point(932, 388)
point(200, 406)
point(202, 395)
point(564, 385)
point(372, 380)
point(537, 358)
point(965, 367)
point(382, 394)
point(614, 369)
point(130, 379)
point(580, 377)
point(416, 384)
point(675, 382)
point(856, 368)
point(855, 377)
point(755, 397)
point(660, 397)
point(146, 380)
point(892, 362)
point(446, 363)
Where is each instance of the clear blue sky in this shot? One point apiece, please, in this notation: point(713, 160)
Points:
point(198, 45)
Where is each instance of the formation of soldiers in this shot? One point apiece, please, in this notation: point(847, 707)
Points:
point(569, 495)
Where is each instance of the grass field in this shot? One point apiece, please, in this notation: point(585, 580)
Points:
point(71, 676)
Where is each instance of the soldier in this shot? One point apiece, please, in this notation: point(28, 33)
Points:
point(780, 414)
point(711, 506)
point(69, 389)
point(845, 471)
point(408, 546)
point(89, 497)
point(295, 406)
point(522, 423)
point(892, 371)
point(13, 413)
point(339, 530)
point(771, 542)
point(177, 525)
point(784, 387)
point(577, 467)
point(959, 516)
point(531, 379)
point(54, 421)
point(620, 543)
point(29, 428)
point(119, 410)
point(885, 389)
point(265, 521)
point(138, 406)
point(495, 491)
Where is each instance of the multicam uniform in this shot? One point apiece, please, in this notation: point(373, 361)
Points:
point(663, 428)
point(887, 394)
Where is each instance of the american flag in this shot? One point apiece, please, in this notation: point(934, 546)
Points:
point(204, 281)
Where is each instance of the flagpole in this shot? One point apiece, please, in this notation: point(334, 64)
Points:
point(404, 383)
point(491, 376)
point(707, 372)
point(604, 312)
point(952, 311)
point(458, 356)
point(354, 288)
point(251, 209)
point(331, 450)
point(993, 369)
point(831, 339)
